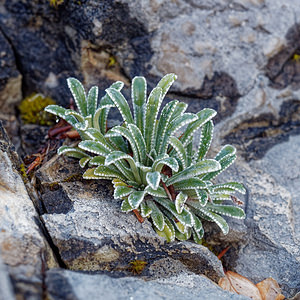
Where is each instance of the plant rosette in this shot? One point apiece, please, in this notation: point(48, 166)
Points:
point(155, 172)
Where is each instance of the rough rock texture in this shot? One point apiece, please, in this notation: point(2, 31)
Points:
point(23, 248)
point(91, 232)
point(63, 284)
point(6, 290)
point(240, 57)
point(10, 78)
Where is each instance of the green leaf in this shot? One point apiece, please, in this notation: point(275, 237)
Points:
point(164, 121)
point(197, 223)
point(175, 125)
point(152, 108)
point(125, 206)
point(119, 130)
point(78, 93)
point(197, 236)
point(72, 152)
point(139, 141)
point(106, 101)
point(188, 184)
point(145, 210)
point(136, 198)
point(179, 111)
point(202, 197)
point(117, 156)
point(89, 174)
point(203, 116)
point(166, 82)
point(153, 179)
point(159, 192)
point(56, 110)
point(104, 171)
point(168, 161)
point(121, 104)
point(92, 100)
point(94, 147)
point(184, 217)
point(78, 116)
point(205, 140)
point(122, 191)
point(97, 161)
point(229, 186)
point(179, 149)
point(83, 161)
point(179, 202)
point(168, 231)
point(225, 162)
point(227, 210)
point(205, 166)
point(227, 150)
point(139, 97)
point(82, 126)
point(183, 236)
point(210, 216)
point(156, 215)
point(96, 135)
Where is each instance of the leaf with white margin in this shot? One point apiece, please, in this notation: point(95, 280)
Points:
point(205, 166)
point(179, 202)
point(79, 95)
point(121, 103)
point(153, 179)
point(157, 216)
point(122, 191)
point(136, 198)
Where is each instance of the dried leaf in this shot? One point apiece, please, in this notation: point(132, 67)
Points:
point(270, 290)
point(240, 285)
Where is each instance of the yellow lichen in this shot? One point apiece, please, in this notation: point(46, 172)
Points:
point(137, 266)
point(32, 110)
point(22, 171)
point(56, 3)
point(296, 57)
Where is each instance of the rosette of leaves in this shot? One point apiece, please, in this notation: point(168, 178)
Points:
point(157, 173)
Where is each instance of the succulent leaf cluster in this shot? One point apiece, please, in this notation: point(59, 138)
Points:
point(156, 170)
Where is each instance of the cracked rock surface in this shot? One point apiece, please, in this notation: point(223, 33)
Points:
point(240, 57)
point(23, 248)
point(64, 284)
point(93, 234)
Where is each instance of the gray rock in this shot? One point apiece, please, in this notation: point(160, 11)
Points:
point(270, 247)
point(64, 284)
point(10, 78)
point(6, 290)
point(23, 247)
point(91, 233)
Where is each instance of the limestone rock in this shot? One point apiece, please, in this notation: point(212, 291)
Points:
point(10, 78)
point(64, 284)
point(22, 245)
point(91, 233)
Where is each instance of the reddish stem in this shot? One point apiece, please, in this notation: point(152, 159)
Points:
point(167, 190)
point(138, 215)
point(55, 131)
point(223, 252)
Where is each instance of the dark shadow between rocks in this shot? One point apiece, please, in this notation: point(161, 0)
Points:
point(254, 137)
point(283, 69)
point(219, 93)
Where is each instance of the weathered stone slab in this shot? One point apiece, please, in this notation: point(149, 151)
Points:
point(93, 234)
point(270, 247)
point(23, 248)
point(64, 284)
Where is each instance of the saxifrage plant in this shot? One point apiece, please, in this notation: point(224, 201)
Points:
point(156, 170)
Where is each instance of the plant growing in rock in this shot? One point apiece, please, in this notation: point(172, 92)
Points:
point(157, 171)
